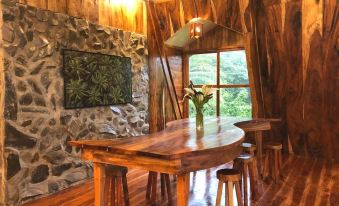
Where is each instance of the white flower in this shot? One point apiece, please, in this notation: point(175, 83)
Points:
point(211, 91)
point(200, 97)
point(190, 91)
point(205, 89)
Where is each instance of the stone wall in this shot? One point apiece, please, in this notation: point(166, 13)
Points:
point(37, 127)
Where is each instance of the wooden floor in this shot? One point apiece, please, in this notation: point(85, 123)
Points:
point(306, 182)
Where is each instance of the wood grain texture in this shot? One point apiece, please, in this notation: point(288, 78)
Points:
point(295, 62)
point(99, 183)
point(179, 149)
point(175, 150)
point(183, 189)
point(2, 119)
point(217, 39)
point(180, 139)
point(170, 16)
point(158, 21)
point(104, 12)
point(307, 181)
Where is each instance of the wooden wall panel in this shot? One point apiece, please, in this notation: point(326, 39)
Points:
point(216, 39)
point(172, 16)
point(99, 11)
point(175, 61)
point(297, 65)
point(2, 120)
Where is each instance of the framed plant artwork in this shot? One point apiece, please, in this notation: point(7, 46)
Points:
point(94, 79)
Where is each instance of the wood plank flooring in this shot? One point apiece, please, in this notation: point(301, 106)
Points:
point(306, 181)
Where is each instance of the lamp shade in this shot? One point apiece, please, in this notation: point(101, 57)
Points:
point(196, 30)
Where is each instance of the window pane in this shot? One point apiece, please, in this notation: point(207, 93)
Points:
point(235, 102)
point(210, 107)
point(233, 67)
point(203, 68)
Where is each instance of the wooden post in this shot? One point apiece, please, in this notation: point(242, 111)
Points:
point(258, 142)
point(99, 183)
point(183, 185)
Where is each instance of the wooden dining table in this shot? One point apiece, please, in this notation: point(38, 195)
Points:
point(178, 149)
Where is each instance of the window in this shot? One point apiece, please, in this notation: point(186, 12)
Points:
point(227, 71)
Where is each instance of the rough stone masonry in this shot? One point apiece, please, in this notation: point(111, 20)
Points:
point(37, 127)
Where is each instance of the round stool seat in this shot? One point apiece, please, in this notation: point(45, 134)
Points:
point(248, 147)
point(245, 158)
point(115, 170)
point(274, 146)
point(228, 175)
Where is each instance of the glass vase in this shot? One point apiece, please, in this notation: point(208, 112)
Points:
point(199, 120)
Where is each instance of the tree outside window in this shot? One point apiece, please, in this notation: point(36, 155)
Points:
point(226, 70)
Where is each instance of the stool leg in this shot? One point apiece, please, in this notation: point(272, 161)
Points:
point(218, 200)
point(253, 182)
point(119, 186)
point(149, 185)
point(276, 170)
point(107, 190)
point(280, 162)
point(245, 175)
point(266, 165)
point(125, 189)
point(113, 181)
point(168, 188)
point(229, 193)
point(255, 175)
point(258, 142)
point(162, 184)
point(238, 192)
point(154, 188)
point(236, 165)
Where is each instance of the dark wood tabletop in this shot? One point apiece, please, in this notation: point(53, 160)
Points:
point(179, 139)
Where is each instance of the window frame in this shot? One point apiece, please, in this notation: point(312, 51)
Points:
point(218, 85)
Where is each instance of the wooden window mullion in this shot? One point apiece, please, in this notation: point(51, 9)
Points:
point(218, 84)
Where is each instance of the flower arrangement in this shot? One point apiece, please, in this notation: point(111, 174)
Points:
point(199, 99)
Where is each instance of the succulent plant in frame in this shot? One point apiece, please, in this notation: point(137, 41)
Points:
point(96, 79)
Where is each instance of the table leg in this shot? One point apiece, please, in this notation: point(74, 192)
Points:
point(99, 183)
point(258, 142)
point(183, 189)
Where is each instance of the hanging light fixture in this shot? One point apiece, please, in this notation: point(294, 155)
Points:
point(196, 28)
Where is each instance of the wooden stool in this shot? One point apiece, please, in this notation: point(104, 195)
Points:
point(273, 161)
point(245, 164)
point(231, 178)
point(115, 181)
point(165, 183)
point(249, 148)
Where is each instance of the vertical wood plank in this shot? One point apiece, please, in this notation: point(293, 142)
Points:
point(99, 183)
point(103, 12)
point(2, 119)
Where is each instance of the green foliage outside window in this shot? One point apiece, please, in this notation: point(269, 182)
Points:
point(235, 102)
